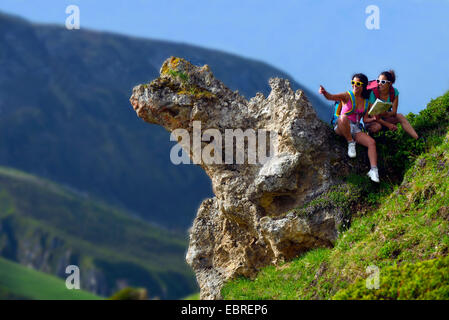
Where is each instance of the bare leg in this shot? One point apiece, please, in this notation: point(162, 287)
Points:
point(343, 128)
point(406, 126)
point(365, 140)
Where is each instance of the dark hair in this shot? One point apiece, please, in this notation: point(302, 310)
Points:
point(391, 76)
point(364, 79)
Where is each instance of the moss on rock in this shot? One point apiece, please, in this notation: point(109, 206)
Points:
point(175, 75)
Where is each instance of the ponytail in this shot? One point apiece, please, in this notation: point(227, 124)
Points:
point(390, 74)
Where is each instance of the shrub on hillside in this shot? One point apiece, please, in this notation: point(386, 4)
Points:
point(397, 150)
point(428, 280)
point(129, 293)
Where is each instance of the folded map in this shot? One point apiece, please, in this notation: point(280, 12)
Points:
point(379, 107)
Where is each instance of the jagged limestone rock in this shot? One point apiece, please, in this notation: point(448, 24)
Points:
point(245, 226)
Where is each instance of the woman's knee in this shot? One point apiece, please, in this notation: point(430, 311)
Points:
point(401, 117)
point(375, 128)
point(371, 143)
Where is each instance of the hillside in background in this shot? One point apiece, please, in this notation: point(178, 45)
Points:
point(65, 115)
point(399, 227)
point(48, 227)
point(19, 282)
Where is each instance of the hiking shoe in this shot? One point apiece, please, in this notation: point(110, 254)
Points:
point(351, 149)
point(374, 175)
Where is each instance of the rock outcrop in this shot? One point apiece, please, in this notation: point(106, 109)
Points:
point(249, 223)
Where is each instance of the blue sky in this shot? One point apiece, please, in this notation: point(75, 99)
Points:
point(316, 42)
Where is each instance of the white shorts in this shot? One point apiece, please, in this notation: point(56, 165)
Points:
point(354, 126)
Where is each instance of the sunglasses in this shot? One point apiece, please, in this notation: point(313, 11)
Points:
point(382, 81)
point(357, 83)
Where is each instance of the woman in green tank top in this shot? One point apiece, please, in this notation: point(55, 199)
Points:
point(390, 118)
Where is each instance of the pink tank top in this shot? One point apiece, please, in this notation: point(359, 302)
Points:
point(357, 115)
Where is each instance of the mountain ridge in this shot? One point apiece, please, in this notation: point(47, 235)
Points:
point(64, 115)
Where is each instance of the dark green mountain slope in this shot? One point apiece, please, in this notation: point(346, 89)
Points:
point(49, 227)
point(65, 115)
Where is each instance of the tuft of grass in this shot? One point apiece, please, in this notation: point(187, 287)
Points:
point(183, 76)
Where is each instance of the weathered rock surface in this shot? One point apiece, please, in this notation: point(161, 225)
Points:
point(247, 224)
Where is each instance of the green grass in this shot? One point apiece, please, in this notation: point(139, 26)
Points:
point(20, 282)
point(286, 281)
point(411, 225)
point(426, 280)
point(183, 76)
point(402, 229)
point(194, 296)
point(398, 151)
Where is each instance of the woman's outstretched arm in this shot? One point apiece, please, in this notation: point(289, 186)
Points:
point(344, 96)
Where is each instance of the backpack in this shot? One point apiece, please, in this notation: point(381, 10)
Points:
point(338, 105)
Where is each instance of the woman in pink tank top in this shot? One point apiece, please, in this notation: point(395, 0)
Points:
point(357, 113)
point(355, 105)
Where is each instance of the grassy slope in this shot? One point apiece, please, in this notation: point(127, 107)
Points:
point(20, 282)
point(405, 236)
point(99, 236)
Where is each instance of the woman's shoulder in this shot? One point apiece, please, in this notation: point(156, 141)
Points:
point(396, 92)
